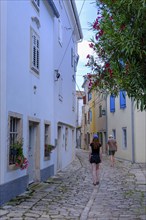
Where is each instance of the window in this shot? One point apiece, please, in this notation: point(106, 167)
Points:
point(72, 57)
point(85, 118)
point(73, 101)
point(114, 133)
point(60, 95)
point(46, 140)
point(124, 137)
point(35, 52)
point(75, 64)
point(14, 136)
point(89, 116)
point(36, 4)
point(60, 33)
point(122, 99)
point(89, 96)
point(100, 111)
point(112, 103)
point(66, 138)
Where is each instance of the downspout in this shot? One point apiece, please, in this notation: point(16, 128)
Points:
point(106, 121)
point(132, 129)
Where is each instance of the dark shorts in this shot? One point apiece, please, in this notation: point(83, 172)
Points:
point(95, 159)
point(112, 152)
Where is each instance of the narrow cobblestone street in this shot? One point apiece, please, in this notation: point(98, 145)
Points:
point(121, 194)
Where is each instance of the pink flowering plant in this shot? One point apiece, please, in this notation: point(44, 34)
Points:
point(119, 49)
point(20, 161)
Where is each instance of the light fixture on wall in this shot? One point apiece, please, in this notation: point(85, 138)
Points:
point(57, 75)
point(34, 89)
point(103, 112)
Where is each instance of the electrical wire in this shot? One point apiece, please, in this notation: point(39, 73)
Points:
point(81, 92)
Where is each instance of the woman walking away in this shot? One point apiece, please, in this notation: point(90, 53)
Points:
point(95, 157)
point(112, 145)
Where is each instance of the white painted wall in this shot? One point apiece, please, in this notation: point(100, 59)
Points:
point(117, 120)
point(140, 136)
point(65, 85)
point(135, 122)
point(3, 69)
point(17, 81)
point(80, 103)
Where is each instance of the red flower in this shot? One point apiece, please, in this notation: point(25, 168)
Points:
point(107, 65)
point(122, 27)
point(110, 72)
point(91, 45)
point(101, 32)
point(89, 75)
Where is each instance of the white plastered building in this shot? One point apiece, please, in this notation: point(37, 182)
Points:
point(38, 58)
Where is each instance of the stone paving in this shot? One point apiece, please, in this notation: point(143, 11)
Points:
point(70, 195)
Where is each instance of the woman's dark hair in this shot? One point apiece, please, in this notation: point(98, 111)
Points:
point(95, 142)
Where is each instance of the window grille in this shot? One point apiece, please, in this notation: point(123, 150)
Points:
point(14, 134)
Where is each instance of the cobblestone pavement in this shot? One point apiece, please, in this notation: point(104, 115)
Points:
point(121, 194)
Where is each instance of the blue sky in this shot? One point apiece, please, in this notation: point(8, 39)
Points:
point(87, 14)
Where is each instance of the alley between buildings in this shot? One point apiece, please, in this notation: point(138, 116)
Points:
point(121, 194)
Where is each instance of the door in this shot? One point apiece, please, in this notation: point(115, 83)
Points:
point(59, 145)
point(105, 142)
point(31, 151)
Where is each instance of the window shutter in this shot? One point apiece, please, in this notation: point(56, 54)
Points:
point(36, 4)
point(35, 60)
point(112, 103)
point(38, 54)
point(122, 99)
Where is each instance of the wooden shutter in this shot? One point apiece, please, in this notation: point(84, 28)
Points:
point(112, 103)
point(122, 99)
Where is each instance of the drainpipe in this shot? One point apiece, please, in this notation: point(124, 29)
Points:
point(106, 120)
point(132, 129)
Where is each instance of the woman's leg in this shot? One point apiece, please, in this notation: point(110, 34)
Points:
point(94, 173)
point(97, 173)
point(112, 158)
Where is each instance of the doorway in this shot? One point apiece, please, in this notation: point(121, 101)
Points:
point(34, 152)
point(59, 145)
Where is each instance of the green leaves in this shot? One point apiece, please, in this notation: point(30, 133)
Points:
point(120, 31)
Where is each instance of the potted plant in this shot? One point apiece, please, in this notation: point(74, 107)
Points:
point(20, 160)
point(48, 149)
